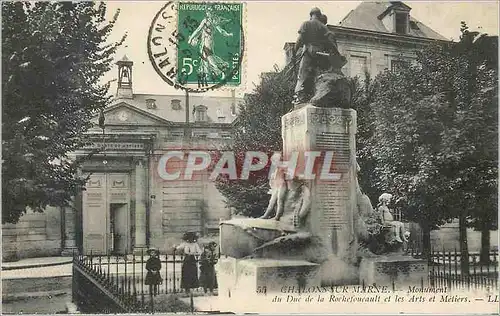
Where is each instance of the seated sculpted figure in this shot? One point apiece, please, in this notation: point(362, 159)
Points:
point(397, 227)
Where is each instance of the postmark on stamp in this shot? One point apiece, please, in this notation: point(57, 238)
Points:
point(198, 46)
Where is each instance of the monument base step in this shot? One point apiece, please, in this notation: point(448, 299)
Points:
point(396, 270)
point(245, 278)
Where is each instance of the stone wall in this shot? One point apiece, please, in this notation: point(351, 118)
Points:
point(35, 235)
point(183, 205)
point(373, 57)
point(447, 237)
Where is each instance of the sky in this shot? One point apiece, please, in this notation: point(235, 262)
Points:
point(269, 24)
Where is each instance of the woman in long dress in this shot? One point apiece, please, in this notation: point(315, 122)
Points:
point(191, 249)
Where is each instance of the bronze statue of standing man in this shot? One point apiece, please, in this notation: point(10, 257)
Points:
point(319, 58)
point(312, 36)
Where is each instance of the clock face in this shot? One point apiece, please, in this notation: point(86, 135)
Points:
point(123, 116)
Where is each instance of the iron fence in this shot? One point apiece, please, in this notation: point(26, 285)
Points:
point(447, 269)
point(116, 283)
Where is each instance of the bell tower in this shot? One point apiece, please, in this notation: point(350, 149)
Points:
point(124, 89)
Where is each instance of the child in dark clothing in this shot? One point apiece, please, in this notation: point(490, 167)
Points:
point(208, 259)
point(153, 266)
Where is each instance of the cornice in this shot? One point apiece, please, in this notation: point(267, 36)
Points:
point(386, 38)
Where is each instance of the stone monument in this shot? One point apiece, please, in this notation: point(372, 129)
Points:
point(317, 230)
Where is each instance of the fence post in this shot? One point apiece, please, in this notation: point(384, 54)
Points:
point(191, 302)
point(495, 268)
point(74, 283)
point(109, 262)
point(133, 277)
point(125, 278)
point(474, 269)
point(173, 269)
point(449, 270)
point(166, 273)
point(432, 272)
point(100, 268)
point(117, 279)
point(142, 276)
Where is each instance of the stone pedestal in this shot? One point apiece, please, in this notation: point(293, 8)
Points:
point(330, 132)
point(250, 278)
point(398, 269)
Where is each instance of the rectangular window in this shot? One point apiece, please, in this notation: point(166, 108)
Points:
point(401, 23)
point(200, 115)
point(397, 65)
point(178, 133)
point(358, 66)
point(151, 103)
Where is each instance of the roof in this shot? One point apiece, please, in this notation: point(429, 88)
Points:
point(366, 17)
point(218, 108)
point(125, 60)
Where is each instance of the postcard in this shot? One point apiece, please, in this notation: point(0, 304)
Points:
point(240, 157)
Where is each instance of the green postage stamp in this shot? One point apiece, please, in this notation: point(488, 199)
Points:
point(212, 50)
point(198, 46)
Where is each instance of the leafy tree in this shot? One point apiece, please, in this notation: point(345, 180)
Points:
point(258, 129)
point(363, 93)
point(472, 138)
point(435, 137)
point(54, 55)
point(405, 144)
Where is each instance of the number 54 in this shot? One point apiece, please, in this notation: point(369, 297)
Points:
point(189, 63)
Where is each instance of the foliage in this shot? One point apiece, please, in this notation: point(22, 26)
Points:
point(435, 139)
point(170, 304)
point(258, 129)
point(53, 57)
point(362, 98)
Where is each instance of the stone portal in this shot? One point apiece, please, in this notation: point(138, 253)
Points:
point(107, 214)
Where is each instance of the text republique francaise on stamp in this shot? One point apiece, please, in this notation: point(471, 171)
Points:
point(198, 46)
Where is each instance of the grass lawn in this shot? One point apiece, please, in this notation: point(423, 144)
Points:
point(169, 303)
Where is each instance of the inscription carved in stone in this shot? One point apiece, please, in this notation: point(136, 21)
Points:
point(325, 117)
point(108, 146)
point(294, 120)
point(334, 198)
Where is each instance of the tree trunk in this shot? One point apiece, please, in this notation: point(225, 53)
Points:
point(464, 248)
point(426, 240)
point(484, 256)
